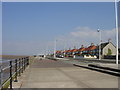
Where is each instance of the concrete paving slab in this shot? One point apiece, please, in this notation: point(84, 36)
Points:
point(56, 74)
point(98, 83)
point(64, 84)
point(46, 75)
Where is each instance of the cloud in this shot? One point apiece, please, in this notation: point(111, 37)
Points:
point(88, 33)
point(85, 36)
point(84, 32)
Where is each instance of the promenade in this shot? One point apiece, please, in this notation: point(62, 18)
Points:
point(48, 73)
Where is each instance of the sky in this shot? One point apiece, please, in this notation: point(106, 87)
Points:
point(0, 29)
point(119, 24)
point(31, 28)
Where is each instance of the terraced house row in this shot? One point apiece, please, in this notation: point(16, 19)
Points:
point(107, 48)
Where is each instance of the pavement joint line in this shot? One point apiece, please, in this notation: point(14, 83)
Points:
point(74, 79)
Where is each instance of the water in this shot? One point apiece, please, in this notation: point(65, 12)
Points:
point(4, 74)
point(4, 63)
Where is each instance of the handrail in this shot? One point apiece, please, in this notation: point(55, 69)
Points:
point(5, 68)
point(16, 67)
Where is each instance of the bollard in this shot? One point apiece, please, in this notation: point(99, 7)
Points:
point(16, 71)
point(10, 74)
point(19, 68)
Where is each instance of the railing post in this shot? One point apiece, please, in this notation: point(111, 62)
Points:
point(16, 71)
point(0, 76)
point(10, 74)
point(22, 64)
point(27, 60)
point(19, 68)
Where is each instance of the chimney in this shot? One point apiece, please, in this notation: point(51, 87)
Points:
point(74, 47)
point(109, 40)
point(92, 44)
point(82, 46)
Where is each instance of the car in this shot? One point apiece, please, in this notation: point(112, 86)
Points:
point(60, 56)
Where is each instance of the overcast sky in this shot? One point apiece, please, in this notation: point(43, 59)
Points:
point(31, 28)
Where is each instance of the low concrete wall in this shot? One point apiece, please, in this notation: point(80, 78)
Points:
point(96, 60)
point(111, 57)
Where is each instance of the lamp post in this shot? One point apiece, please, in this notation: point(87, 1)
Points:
point(64, 49)
point(116, 17)
point(99, 43)
point(55, 48)
point(46, 51)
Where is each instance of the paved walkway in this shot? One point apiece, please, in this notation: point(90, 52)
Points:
point(58, 74)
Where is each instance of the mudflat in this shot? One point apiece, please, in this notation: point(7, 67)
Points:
point(11, 56)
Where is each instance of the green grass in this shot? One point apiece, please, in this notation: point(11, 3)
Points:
point(7, 82)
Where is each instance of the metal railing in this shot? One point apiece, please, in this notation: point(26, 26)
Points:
point(13, 70)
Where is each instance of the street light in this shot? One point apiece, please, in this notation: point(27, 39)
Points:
point(99, 44)
point(46, 50)
point(64, 49)
point(116, 17)
point(55, 48)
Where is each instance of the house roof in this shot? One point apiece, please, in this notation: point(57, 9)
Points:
point(74, 50)
point(91, 48)
point(103, 45)
point(67, 50)
point(58, 51)
point(86, 49)
point(81, 49)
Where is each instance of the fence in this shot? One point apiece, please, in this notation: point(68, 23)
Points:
point(14, 69)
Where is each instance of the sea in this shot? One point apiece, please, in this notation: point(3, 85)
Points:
point(4, 69)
